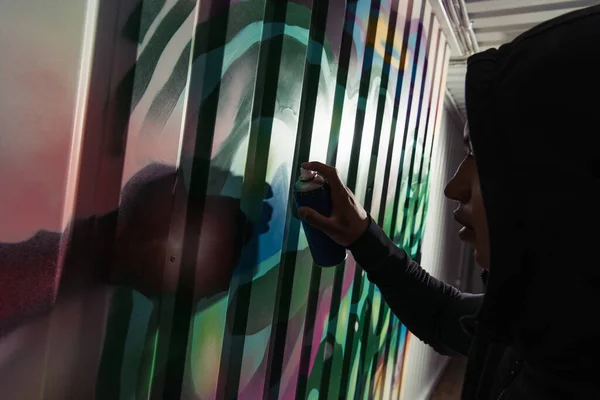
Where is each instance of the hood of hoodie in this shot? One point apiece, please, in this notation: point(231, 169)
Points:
point(533, 107)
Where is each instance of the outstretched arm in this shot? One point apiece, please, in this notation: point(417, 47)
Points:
point(429, 308)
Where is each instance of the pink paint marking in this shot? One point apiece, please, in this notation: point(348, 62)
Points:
point(321, 318)
point(254, 388)
point(291, 355)
point(289, 380)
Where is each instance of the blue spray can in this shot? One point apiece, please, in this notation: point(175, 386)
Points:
point(312, 191)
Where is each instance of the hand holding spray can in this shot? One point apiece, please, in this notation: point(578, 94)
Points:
point(312, 191)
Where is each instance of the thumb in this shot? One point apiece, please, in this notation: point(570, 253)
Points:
point(315, 219)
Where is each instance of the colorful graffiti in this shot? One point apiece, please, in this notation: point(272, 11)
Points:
point(161, 239)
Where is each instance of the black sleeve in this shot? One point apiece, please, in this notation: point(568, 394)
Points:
point(429, 308)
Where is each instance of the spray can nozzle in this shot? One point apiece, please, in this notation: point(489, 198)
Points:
point(307, 175)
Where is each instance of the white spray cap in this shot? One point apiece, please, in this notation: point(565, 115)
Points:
point(306, 174)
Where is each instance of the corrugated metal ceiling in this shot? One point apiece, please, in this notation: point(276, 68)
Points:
point(499, 21)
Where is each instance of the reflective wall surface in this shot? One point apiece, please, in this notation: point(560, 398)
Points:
point(148, 245)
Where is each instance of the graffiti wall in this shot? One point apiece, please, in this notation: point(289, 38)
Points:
point(149, 245)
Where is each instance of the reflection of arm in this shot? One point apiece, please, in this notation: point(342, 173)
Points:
point(28, 276)
point(429, 308)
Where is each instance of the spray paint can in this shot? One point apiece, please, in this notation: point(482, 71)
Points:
point(312, 191)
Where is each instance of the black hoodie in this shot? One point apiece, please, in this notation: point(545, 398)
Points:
point(534, 116)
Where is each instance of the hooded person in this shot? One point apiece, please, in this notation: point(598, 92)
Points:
point(529, 194)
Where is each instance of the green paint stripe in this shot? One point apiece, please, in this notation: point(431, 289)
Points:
point(364, 357)
point(331, 328)
point(415, 65)
point(308, 333)
point(352, 178)
point(363, 93)
point(383, 320)
point(332, 151)
point(319, 278)
point(378, 381)
point(288, 262)
point(173, 346)
point(397, 97)
point(366, 395)
point(336, 296)
point(147, 363)
point(392, 345)
point(341, 81)
point(281, 314)
point(406, 215)
point(342, 326)
point(402, 357)
point(406, 175)
point(253, 191)
point(389, 45)
point(415, 199)
point(109, 372)
point(352, 343)
point(397, 343)
point(381, 102)
point(363, 380)
point(399, 359)
point(439, 107)
point(166, 307)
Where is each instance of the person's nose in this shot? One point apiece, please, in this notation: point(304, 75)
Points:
point(458, 188)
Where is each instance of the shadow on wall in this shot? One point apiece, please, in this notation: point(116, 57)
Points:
point(141, 253)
